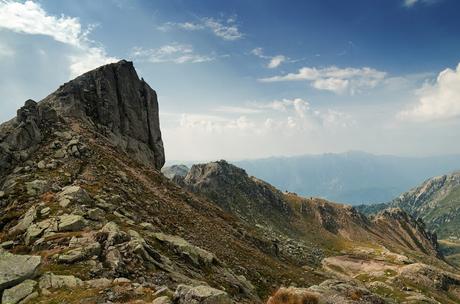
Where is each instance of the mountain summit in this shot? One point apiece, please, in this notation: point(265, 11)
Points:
point(112, 99)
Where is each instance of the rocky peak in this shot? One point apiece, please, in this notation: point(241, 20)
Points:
point(214, 173)
point(118, 103)
point(111, 100)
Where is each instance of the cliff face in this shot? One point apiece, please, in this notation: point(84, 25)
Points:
point(112, 99)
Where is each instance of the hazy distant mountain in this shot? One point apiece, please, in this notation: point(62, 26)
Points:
point(352, 177)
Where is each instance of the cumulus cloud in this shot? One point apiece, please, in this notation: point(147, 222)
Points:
point(273, 61)
point(225, 29)
point(175, 53)
point(30, 18)
point(334, 79)
point(438, 100)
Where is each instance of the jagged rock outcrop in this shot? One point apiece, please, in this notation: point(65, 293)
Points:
point(175, 171)
point(112, 99)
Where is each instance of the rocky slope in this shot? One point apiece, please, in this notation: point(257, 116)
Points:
point(86, 217)
point(436, 202)
point(323, 235)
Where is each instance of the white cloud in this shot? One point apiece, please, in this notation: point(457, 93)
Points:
point(410, 3)
point(273, 61)
point(175, 53)
point(436, 101)
point(334, 79)
point(225, 29)
point(30, 18)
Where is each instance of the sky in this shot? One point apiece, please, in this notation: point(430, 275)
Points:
point(250, 79)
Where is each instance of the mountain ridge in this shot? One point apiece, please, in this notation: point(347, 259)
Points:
point(87, 216)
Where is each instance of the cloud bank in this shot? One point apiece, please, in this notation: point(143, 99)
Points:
point(437, 101)
point(334, 79)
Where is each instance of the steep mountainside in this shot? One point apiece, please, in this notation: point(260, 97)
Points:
point(352, 177)
point(436, 202)
point(334, 238)
point(86, 217)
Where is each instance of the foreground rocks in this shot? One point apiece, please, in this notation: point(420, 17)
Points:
point(16, 268)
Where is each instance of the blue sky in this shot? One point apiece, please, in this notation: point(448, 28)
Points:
point(246, 79)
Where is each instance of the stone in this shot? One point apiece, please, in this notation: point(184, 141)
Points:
point(121, 281)
point(96, 214)
point(113, 258)
point(24, 223)
point(114, 234)
point(45, 211)
point(35, 230)
point(200, 295)
point(16, 268)
point(73, 194)
point(98, 283)
point(59, 153)
point(41, 164)
point(29, 298)
point(19, 292)
point(64, 135)
point(80, 253)
point(197, 255)
point(7, 245)
point(162, 300)
point(36, 187)
point(52, 281)
point(71, 222)
point(147, 226)
point(164, 291)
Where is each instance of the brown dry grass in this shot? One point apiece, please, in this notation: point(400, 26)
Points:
point(293, 296)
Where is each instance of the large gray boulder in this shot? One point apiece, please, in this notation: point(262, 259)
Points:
point(19, 292)
point(16, 268)
point(200, 295)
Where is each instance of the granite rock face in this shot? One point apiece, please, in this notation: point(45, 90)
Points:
point(112, 99)
point(120, 105)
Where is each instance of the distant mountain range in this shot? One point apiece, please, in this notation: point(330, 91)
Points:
point(352, 177)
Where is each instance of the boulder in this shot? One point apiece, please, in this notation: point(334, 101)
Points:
point(16, 268)
point(162, 300)
point(19, 292)
point(71, 222)
point(24, 223)
point(195, 254)
point(36, 187)
point(98, 283)
point(80, 254)
point(73, 194)
point(35, 230)
point(51, 281)
point(114, 234)
point(200, 295)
